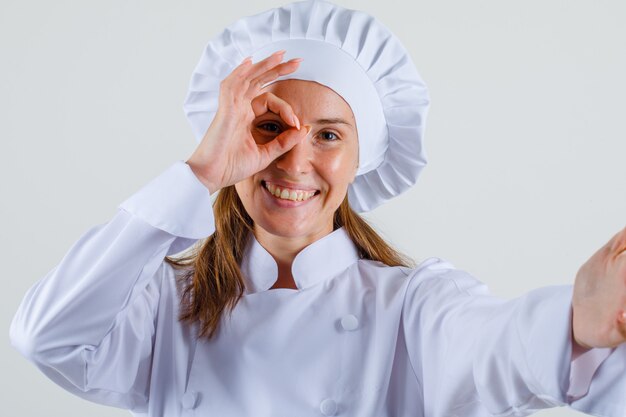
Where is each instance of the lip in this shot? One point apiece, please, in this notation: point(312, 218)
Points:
point(284, 203)
point(290, 185)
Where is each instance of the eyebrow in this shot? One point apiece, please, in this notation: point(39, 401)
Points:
point(333, 121)
point(326, 121)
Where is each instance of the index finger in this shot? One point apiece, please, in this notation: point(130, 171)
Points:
point(618, 242)
point(267, 101)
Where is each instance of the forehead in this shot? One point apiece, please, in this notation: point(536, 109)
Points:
point(311, 98)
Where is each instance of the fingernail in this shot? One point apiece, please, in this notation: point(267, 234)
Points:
point(296, 121)
point(296, 60)
point(282, 51)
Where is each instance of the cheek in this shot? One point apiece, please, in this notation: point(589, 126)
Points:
point(240, 188)
point(244, 191)
point(339, 170)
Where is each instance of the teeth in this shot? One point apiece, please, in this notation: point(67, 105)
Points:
point(287, 194)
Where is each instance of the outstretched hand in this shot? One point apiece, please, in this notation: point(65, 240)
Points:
point(228, 153)
point(599, 300)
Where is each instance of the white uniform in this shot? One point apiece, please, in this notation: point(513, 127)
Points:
point(357, 338)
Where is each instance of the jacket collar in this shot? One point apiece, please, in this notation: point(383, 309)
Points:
point(322, 259)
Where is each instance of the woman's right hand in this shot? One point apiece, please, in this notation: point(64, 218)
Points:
point(228, 152)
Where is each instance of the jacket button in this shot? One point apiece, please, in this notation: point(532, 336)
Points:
point(349, 322)
point(189, 400)
point(328, 407)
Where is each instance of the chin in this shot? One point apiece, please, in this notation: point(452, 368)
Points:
point(284, 229)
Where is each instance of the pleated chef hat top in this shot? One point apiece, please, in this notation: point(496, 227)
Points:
point(370, 69)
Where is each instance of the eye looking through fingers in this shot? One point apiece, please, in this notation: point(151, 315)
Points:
point(270, 127)
point(274, 127)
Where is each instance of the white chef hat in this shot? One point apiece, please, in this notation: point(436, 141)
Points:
point(370, 69)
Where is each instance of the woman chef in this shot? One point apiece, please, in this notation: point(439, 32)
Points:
point(290, 304)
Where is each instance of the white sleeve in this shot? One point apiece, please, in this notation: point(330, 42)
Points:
point(89, 323)
point(479, 354)
point(598, 382)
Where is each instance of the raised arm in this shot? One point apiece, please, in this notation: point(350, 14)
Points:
point(478, 354)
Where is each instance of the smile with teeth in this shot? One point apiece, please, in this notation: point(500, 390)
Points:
point(288, 193)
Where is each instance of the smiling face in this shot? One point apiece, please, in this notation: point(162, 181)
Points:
point(311, 180)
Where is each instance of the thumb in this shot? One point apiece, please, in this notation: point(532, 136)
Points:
point(282, 143)
point(618, 242)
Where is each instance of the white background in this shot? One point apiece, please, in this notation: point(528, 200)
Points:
point(525, 137)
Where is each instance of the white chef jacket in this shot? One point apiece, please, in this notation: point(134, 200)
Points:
point(357, 338)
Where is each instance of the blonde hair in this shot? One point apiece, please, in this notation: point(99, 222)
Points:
point(212, 280)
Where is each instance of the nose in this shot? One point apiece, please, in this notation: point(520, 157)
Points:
point(297, 160)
